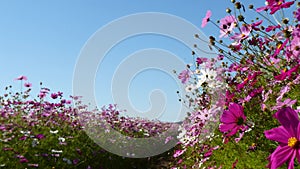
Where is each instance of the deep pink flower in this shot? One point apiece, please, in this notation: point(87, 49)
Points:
point(232, 119)
point(288, 137)
point(200, 60)
point(40, 136)
point(54, 95)
point(272, 28)
point(226, 25)
point(23, 138)
point(286, 74)
point(27, 84)
point(275, 5)
point(23, 160)
point(21, 78)
point(205, 20)
point(41, 95)
point(184, 76)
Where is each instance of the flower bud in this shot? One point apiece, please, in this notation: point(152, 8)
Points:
point(241, 18)
point(238, 5)
point(285, 21)
point(228, 10)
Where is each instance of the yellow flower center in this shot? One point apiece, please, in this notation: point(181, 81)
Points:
point(292, 142)
point(284, 70)
point(279, 46)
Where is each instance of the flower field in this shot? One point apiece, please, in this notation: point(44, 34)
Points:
point(244, 109)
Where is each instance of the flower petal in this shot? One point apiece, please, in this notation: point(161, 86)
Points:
point(291, 162)
point(289, 119)
point(233, 131)
point(280, 156)
point(237, 110)
point(278, 134)
point(227, 127)
point(228, 117)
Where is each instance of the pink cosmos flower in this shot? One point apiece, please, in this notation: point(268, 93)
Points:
point(54, 95)
point(21, 78)
point(27, 84)
point(295, 43)
point(23, 160)
point(184, 76)
point(288, 137)
point(205, 20)
point(200, 60)
point(226, 25)
point(178, 153)
point(286, 103)
point(245, 31)
point(40, 136)
point(232, 119)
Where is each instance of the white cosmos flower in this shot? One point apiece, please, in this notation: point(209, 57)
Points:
point(61, 139)
point(208, 76)
point(54, 132)
point(56, 151)
point(190, 88)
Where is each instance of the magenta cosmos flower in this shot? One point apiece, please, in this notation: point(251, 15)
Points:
point(275, 5)
point(288, 137)
point(184, 76)
point(233, 119)
point(205, 20)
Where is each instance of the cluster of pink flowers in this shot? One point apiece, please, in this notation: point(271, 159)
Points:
point(51, 120)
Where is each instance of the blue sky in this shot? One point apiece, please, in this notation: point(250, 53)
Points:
point(43, 39)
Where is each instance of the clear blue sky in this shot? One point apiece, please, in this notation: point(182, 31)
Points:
point(43, 39)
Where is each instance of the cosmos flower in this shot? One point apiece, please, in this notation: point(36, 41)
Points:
point(21, 78)
point(206, 19)
point(275, 5)
point(184, 76)
point(27, 84)
point(286, 74)
point(226, 25)
point(245, 31)
point(288, 135)
point(233, 119)
point(297, 14)
point(40, 136)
